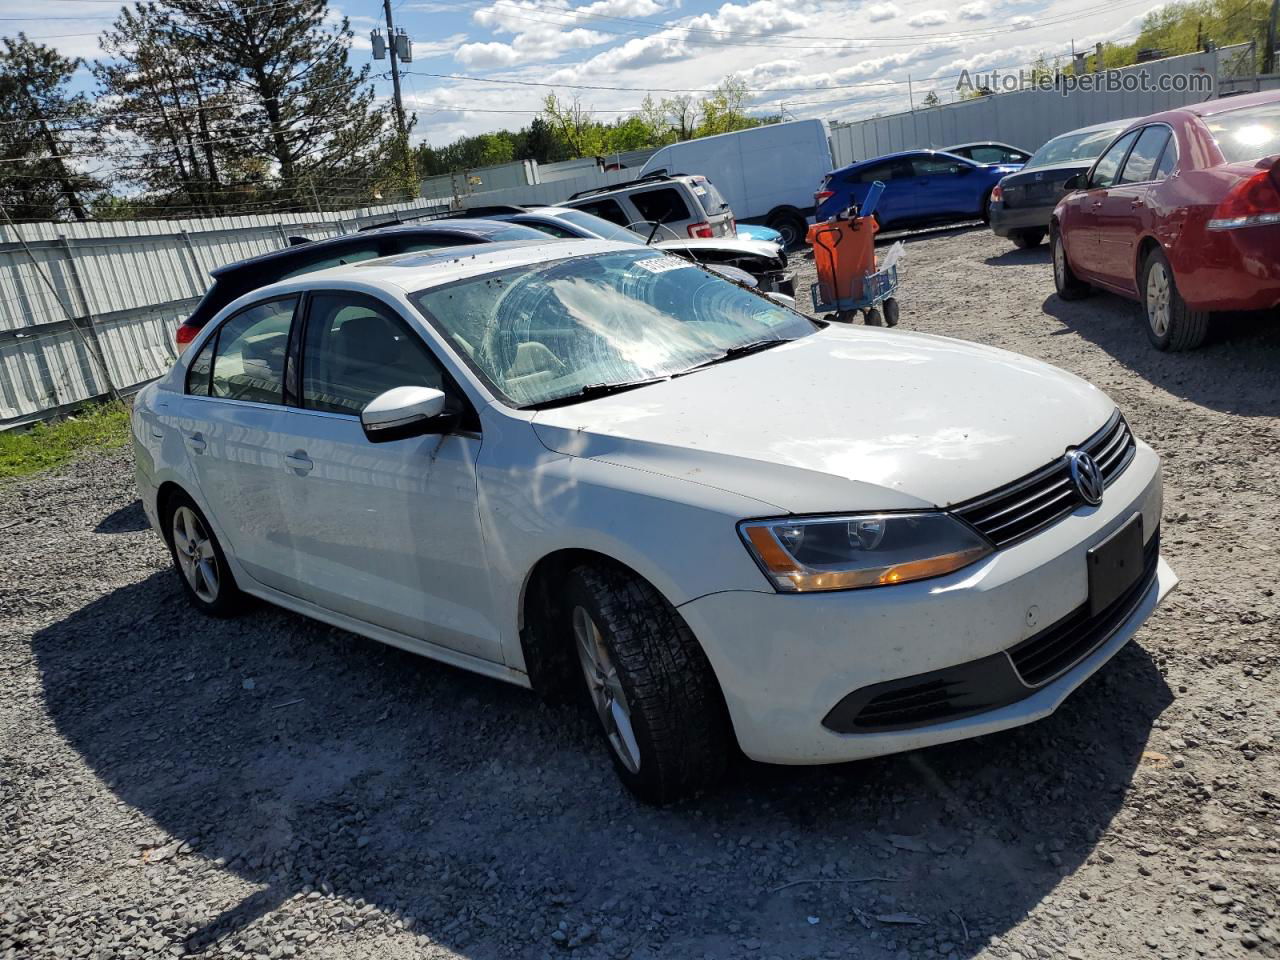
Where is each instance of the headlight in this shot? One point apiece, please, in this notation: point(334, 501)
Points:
point(863, 550)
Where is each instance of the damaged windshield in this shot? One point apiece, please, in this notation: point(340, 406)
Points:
point(577, 327)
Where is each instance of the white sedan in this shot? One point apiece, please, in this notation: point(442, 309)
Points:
point(587, 466)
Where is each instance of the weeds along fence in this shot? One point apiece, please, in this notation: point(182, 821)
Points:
point(120, 289)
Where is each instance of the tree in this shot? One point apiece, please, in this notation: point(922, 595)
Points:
point(725, 109)
point(930, 99)
point(574, 125)
point(298, 100)
point(38, 180)
point(682, 114)
point(173, 113)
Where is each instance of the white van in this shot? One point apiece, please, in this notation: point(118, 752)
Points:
point(766, 173)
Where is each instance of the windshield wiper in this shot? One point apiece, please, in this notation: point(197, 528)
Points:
point(741, 350)
point(591, 391)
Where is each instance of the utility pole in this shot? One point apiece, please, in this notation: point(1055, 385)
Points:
point(398, 47)
point(395, 72)
point(911, 97)
point(1273, 37)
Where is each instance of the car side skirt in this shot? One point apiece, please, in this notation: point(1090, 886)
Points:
point(424, 648)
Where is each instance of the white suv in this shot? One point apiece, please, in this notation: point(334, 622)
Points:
point(669, 207)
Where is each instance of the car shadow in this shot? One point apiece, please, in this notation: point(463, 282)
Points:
point(301, 758)
point(1234, 372)
point(1016, 257)
point(128, 519)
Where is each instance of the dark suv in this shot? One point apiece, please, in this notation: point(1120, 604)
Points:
point(236, 279)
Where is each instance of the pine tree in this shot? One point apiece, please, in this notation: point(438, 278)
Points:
point(298, 102)
point(43, 124)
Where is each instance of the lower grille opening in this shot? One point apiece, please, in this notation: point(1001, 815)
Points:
point(953, 693)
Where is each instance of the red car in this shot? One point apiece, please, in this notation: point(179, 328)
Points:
point(1182, 213)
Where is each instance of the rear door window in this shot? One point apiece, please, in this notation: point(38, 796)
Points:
point(249, 357)
point(1104, 173)
point(1141, 165)
point(1168, 160)
point(934, 166)
point(664, 205)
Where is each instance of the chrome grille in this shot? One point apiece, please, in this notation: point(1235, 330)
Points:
point(1031, 503)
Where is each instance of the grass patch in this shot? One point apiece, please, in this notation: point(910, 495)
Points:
point(98, 427)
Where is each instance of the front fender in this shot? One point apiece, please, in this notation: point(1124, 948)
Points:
point(680, 536)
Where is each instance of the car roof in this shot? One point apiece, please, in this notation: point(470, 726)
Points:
point(982, 143)
point(412, 272)
point(301, 252)
point(1226, 104)
point(899, 155)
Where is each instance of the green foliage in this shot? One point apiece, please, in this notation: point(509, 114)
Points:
point(47, 445)
point(35, 181)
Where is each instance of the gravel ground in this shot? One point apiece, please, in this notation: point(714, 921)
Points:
point(270, 787)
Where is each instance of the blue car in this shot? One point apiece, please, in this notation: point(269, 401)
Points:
point(921, 187)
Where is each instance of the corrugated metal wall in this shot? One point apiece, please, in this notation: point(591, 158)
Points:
point(127, 285)
point(1025, 119)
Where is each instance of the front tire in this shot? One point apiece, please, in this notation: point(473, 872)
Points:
point(652, 687)
point(199, 560)
point(1171, 325)
point(1069, 286)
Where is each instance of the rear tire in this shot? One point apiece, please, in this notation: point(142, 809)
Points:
point(660, 707)
point(872, 318)
point(199, 560)
point(1069, 286)
point(791, 225)
point(1027, 239)
point(1171, 325)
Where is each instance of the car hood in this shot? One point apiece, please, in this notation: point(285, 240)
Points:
point(847, 419)
point(738, 246)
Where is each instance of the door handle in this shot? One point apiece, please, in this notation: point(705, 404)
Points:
point(299, 462)
point(1097, 204)
point(1138, 202)
point(196, 442)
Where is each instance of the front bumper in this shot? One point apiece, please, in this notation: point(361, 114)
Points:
point(785, 660)
point(1005, 220)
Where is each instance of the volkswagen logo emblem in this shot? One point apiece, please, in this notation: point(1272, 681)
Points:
point(1086, 476)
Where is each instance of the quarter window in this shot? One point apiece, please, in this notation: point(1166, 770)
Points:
point(661, 206)
point(1141, 165)
point(250, 351)
point(357, 348)
point(1104, 173)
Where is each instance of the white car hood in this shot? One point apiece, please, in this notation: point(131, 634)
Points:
point(742, 246)
point(847, 419)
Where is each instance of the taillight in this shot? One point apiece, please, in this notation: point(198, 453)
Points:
point(996, 194)
point(1250, 203)
point(701, 231)
point(186, 333)
point(823, 195)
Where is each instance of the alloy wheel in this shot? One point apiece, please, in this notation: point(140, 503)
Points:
point(1158, 299)
point(605, 689)
point(197, 559)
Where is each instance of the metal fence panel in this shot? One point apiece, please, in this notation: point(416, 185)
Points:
point(1025, 118)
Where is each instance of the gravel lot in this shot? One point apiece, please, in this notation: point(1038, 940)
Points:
point(271, 787)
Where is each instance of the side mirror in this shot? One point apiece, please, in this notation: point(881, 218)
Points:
point(1073, 182)
point(406, 412)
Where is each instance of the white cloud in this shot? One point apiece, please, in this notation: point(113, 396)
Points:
point(973, 11)
point(929, 18)
point(1021, 23)
point(883, 11)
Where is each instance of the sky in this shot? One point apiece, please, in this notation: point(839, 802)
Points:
point(837, 59)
